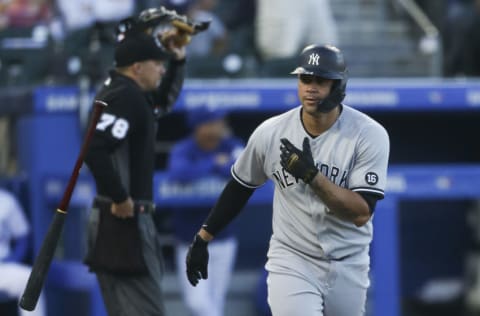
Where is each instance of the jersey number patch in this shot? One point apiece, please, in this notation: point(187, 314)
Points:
point(371, 178)
point(119, 125)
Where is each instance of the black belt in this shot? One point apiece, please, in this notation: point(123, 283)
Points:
point(139, 206)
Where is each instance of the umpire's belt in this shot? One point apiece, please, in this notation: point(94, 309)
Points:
point(139, 206)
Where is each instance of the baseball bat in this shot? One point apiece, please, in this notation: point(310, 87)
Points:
point(44, 258)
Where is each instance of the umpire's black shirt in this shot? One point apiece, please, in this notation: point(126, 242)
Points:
point(121, 154)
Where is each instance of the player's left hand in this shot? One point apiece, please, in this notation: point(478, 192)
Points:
point(297, 162)
point(197, 260)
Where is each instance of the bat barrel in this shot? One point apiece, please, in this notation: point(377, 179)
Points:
point(42, 263)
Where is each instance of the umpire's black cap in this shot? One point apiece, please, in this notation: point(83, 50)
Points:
point(139, 47)
point(324, 61)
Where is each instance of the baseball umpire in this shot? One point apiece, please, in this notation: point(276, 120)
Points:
point(123, 248)
point(329, 165)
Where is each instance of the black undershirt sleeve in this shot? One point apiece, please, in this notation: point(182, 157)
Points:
point(231, 201)
point(371, 200)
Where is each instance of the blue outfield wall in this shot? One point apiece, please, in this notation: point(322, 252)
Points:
point(49, 139)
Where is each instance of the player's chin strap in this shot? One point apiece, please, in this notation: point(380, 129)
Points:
point(335, 97)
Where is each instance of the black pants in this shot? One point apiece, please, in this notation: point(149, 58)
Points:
point(133, 295)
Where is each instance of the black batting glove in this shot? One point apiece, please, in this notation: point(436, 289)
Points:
point(297, 162)
point(197, 260)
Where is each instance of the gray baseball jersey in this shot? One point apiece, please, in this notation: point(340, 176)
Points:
point(353, 154)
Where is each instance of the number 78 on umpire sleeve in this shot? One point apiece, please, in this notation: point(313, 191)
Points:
point(118, 126)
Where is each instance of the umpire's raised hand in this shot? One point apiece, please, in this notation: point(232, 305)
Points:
point(297, 162)
point(197, 260)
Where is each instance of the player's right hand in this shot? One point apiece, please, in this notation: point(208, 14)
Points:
point(123, 209)
point(175, 41)
point(197, 260)
point(298, 163)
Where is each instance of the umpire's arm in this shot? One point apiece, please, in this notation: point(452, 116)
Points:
point(171, 85)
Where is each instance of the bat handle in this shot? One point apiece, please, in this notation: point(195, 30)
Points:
point(97, 111)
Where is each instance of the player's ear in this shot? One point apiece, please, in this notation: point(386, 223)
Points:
point(137, 67)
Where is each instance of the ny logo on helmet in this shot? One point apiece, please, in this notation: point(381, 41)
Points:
point(313, 59)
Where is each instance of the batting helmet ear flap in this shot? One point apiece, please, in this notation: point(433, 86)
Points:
point(336, 96)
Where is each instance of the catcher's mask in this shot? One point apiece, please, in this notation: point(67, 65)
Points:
point(158, 21)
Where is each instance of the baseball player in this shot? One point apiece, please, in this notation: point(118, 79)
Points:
point(329, 165)
point(14, 230)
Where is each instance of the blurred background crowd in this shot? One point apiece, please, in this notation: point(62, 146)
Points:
point(70, 43)
point(45, 41)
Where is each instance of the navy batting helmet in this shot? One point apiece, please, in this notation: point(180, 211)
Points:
point(325, 61)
